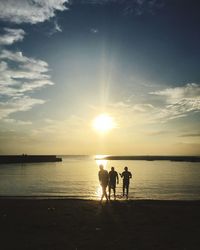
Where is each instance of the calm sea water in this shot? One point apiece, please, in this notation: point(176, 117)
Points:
point(77, 177)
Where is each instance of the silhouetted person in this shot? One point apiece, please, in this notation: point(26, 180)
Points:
point(103, 179)
point(126, 175)
point(113, 179)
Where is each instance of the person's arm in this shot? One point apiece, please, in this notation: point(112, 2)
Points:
point(99, 175)
point(130, 175)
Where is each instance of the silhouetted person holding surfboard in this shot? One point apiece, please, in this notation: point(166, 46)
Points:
point(113, 179)
point(103, 179)
point(126, 175)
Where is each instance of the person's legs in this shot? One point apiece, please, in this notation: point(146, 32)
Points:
point(123, 188)
point(109, 191)
point(114, 191)
point(127, 190)
point(104, 193)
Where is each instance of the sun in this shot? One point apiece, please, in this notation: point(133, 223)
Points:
point(103, 123)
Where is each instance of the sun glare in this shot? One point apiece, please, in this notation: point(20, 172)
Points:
point(103, 123)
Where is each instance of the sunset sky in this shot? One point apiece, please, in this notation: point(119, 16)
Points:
point(64, 63)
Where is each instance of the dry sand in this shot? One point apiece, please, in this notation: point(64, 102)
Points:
point(78, 224)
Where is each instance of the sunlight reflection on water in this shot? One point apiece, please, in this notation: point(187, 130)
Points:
point(100, 161)
point(77, 177)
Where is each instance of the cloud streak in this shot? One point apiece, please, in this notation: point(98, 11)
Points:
point(11, 36)
point(190, 135)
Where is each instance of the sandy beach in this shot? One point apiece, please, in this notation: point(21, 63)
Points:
point(81, 224)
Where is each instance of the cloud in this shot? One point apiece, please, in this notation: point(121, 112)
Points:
point(18, 122)
point(167, 105)
point(94, 30)
point(54, 28)
point(145, 107)
point(27, 74)
point(57, 27)
point(20, 75)
point(178, 102)
point(173, 95)
point(16, 104)
point(11, 36)
point(180, 109)
point(119, 105)
point(26, 11)
point(156, 133)
point(190, 135)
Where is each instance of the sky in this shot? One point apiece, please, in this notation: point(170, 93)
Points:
point(63, 63)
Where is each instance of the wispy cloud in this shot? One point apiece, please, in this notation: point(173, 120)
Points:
point(27, 74)
point(168, 104)
point(55, 28)
point(178, 101)
point(174, 95)
point(34, 11)
point(94, 30)
point(157, 133)
point(16, 82)
point(191, 135)
point(16, 104)
point(144, 107)
point(18, 122)
point(11, 35)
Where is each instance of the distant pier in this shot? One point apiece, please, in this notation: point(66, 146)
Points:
point(153, 158)
point(28, 158)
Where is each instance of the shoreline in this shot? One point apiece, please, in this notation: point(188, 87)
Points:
point(50, 224)
point(73, 198)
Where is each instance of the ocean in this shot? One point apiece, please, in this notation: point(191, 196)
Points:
point(77, 177)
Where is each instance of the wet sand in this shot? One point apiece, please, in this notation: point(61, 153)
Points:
point(79, 224)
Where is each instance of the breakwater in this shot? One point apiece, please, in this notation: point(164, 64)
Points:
point(28, 158)
point(153, 158)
